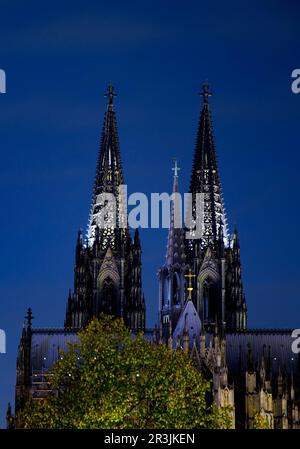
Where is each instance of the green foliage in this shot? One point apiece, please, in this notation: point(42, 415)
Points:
point(110, 380)
point(261, 422)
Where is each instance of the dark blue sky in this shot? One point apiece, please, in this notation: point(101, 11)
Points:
point(59, 58)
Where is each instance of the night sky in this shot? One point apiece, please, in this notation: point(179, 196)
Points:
point(58, 60)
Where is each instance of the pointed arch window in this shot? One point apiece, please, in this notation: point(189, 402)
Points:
point(166, 297)
point(176, 289)
point(210, 299)
point(109, 297)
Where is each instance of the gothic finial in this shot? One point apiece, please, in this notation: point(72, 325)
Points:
point(110, 94)
point(205, 93)
point(29, 317)
point(9, 417)
point(9, 409)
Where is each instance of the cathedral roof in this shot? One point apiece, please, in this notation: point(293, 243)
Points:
point(189, 321)
point(276, 344)
point(273, 343)
point(47, 346)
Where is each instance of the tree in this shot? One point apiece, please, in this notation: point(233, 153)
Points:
point(261, 422)
point(110, 379)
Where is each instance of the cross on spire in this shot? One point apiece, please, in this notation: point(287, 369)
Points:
point(110, 94)
point(190, 286)
point(176, 168)
point(205, 93)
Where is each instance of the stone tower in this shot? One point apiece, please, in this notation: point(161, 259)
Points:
point(107, 273)
point(214, 258)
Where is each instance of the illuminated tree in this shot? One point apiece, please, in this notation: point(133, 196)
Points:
point(110, 379)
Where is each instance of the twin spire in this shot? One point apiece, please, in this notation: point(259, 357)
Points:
point(206, 181)
point(109, 172)
point(205, 174)
point(205, 177)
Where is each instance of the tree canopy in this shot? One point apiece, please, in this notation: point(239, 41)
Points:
point(111, 380)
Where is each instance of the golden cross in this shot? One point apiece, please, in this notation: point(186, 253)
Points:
point(190, 287)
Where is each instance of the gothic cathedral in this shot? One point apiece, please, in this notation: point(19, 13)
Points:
point(202, 306)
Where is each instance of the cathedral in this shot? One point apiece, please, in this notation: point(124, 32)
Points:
point(202, 305)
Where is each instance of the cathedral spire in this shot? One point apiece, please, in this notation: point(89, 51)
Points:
point(219, 296)
point(109, 176)
point(175, 246)
point(108, 266)
point(171, 274)
point(205, 177)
